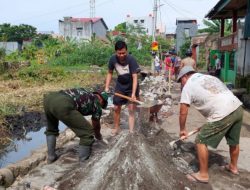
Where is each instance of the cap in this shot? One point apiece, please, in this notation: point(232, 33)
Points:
point(183, 71)
point(104, 96)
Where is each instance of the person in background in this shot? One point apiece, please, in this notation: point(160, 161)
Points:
point(188, 60)
point(223, 112)
point(177, 65)
point(156, 63)
point(127, 84)
point(168, 66)
point(217, 66)
point(69, 106)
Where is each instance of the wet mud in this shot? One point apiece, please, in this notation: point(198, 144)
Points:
point(20, 125)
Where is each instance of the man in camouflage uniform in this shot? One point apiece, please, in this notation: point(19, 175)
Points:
point(69, 106)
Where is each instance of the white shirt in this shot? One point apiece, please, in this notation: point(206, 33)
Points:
point(209, 96)
point(217, 64)
point(156, 61)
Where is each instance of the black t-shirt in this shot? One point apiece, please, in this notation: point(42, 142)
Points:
point(124, 72)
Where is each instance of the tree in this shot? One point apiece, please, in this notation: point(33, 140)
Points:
point(17, 33)
point(213, 26)
point(164, 44)
point(121, 27)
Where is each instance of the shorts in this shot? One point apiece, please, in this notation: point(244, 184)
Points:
point(122, 101)
point(229, 127)
point(157, 68)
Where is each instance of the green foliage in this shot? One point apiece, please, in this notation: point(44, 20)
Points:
point(7, 109)
point(95, 53)
point(163, 43)
point(213, 26)
point(121, 27)
point(69, 52)
point(29, 52)
point(2, 69)
point(186, 45)
point(201, 63)
point(17, 33)
point(42, 73)
point(2, 53)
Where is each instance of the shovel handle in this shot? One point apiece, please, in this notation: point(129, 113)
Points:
point(191, 133)
point(128, 98)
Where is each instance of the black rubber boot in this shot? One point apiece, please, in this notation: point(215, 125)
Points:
point(84, 152)
point(51, 144)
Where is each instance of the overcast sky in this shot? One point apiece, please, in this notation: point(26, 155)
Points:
point(44, 14)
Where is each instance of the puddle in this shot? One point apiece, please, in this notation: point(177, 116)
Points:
point(21, 148)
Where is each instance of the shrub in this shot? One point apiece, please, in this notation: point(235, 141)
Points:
point(42, 73)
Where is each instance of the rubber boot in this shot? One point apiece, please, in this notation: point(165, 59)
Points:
point(51, 144)
point(84, 152)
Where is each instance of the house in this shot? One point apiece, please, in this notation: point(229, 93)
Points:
point(82, 28)
point(185, 28)
point(234, 49)
point(145, 24)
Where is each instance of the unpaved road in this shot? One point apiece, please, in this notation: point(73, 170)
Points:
point(142, 161)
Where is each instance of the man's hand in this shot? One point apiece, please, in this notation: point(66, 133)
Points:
point(107, 90)
point(183, 134)
point(133, 96)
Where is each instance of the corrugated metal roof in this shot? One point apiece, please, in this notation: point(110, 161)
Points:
point(224, 9)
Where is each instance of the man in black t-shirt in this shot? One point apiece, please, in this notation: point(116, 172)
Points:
point(127, 83)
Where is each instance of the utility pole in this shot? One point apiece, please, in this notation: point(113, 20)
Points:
point(92, 8)
point(154, 28)
point(154, 19)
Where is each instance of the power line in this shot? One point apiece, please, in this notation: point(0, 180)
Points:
point(180, 10)
point(48, 13)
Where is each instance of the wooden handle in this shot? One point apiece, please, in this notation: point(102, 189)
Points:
point(190, 133)
point(127, 98)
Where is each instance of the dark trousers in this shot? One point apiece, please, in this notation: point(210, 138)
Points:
point(217, 73)
point(59, 106)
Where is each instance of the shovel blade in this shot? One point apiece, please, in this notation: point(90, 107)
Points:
point(172, 144)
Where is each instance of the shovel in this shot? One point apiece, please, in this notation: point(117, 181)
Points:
point(128, 98)
point(141, 104)
point(172, 143)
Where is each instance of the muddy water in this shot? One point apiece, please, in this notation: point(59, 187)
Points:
point(21, 148)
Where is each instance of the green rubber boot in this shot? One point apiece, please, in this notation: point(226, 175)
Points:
point(84, 152)
point(51, 144)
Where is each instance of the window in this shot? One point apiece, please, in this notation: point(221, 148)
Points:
point(79, 31)
point(136, 21)
point(142, 21)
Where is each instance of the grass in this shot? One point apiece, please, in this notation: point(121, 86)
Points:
point(25, 91)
